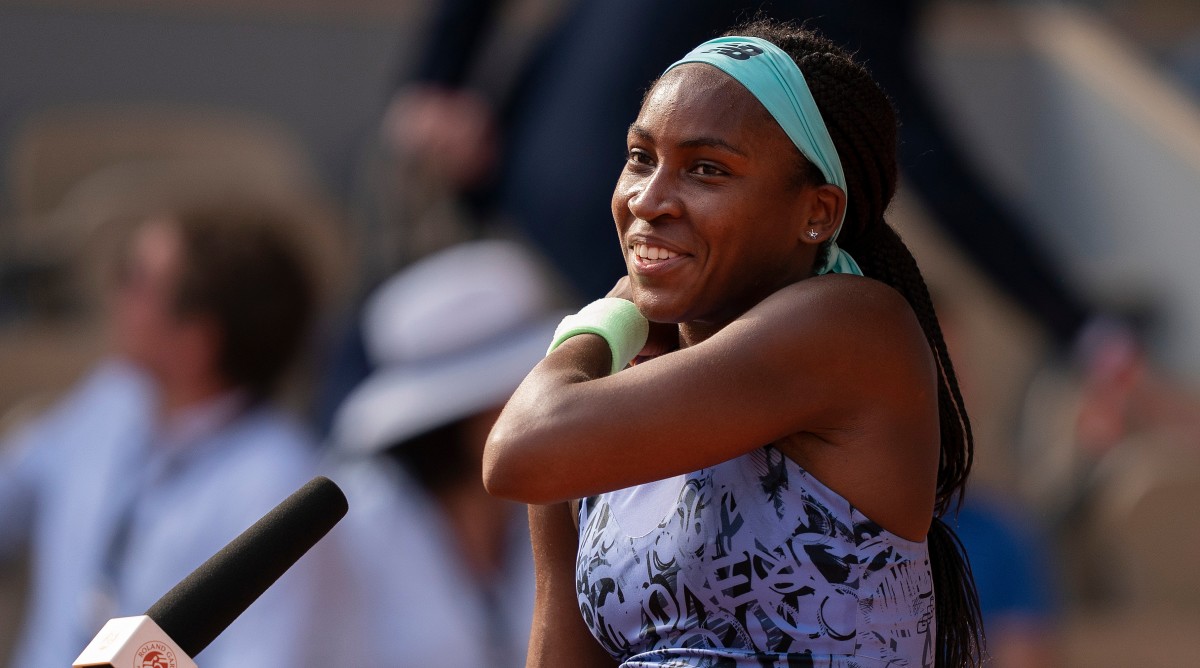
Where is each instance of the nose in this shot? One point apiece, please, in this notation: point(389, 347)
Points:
point(655, 197)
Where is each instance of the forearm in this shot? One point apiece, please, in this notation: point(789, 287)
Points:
point(558, 636)
point(520, 454)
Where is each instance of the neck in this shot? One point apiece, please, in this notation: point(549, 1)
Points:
point(695, 331)
point(691, 333)
point(181, 394)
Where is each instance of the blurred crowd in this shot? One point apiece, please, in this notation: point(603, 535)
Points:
point(194, 327)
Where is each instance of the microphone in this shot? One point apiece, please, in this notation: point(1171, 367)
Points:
point(190, 616)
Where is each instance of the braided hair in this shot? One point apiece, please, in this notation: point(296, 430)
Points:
point(862, 122)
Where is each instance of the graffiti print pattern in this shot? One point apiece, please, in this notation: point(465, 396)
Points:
point(756, 564)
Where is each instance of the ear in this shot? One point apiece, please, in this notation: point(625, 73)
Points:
point(826, 206)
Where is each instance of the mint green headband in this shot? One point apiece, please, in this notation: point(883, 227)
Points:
point(773, 77)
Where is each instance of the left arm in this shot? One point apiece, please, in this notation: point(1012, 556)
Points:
point(801, 361)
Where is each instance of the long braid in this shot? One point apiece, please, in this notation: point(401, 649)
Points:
point(886, 258)
point(862, 122)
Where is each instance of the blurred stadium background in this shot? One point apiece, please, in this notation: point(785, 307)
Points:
point(1085, 114)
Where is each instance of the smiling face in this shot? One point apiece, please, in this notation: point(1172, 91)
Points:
point(708, 208)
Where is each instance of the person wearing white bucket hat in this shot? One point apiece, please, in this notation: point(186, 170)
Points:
point(443, 571)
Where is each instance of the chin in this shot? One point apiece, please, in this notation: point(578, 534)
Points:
point(659, 307)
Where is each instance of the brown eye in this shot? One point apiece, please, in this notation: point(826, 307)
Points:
point(639, 157)
point(707, 169)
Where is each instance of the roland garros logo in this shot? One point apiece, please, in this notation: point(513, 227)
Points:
point(154, 654)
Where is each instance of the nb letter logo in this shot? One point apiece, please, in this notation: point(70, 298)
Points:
point(737, 51)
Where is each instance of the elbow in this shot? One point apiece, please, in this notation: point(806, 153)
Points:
point(501, 482)
point(515, 483)
point(509, 473)
point(498, 476)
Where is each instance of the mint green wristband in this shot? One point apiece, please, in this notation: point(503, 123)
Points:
point(616, 320)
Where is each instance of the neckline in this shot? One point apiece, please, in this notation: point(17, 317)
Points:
point(664, 494)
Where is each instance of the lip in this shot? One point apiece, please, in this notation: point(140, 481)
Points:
point(653, 267)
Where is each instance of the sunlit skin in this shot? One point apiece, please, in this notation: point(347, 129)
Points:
point(833, 370)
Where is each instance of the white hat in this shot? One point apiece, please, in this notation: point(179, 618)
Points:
point(452, 335)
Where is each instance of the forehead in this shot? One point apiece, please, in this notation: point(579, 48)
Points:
point(698, 99)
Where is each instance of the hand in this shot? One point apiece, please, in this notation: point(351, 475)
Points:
point(1115, 374)
point(450, 131)
point(664, 336)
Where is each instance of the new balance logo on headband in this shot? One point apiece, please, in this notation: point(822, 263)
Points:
point(737, 51)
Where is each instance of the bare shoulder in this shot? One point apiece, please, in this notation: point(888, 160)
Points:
point(848, 337)
point(846, 308)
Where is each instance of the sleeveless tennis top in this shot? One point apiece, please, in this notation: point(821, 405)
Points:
point(752, 562)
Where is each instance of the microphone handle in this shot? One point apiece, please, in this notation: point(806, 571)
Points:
point(207, 601)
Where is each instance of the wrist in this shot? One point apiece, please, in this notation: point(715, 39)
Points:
point(616, 321)
point(590, 356)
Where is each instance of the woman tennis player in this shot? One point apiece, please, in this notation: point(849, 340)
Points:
point(764, 486)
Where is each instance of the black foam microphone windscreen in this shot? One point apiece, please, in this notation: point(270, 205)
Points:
point(199, 608)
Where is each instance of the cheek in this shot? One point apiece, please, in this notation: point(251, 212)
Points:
point(746, 250)
point(620, 200)
point(622, 218)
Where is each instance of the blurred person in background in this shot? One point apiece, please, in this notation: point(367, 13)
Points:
point(444, 570)
point(171, 447)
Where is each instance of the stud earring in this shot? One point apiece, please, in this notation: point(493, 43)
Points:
point(812, 234)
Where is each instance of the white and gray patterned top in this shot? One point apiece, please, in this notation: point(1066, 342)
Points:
point(752, 562)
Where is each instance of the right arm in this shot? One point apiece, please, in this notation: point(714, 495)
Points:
point(559, 636)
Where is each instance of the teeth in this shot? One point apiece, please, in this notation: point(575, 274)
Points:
point(647, 252)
